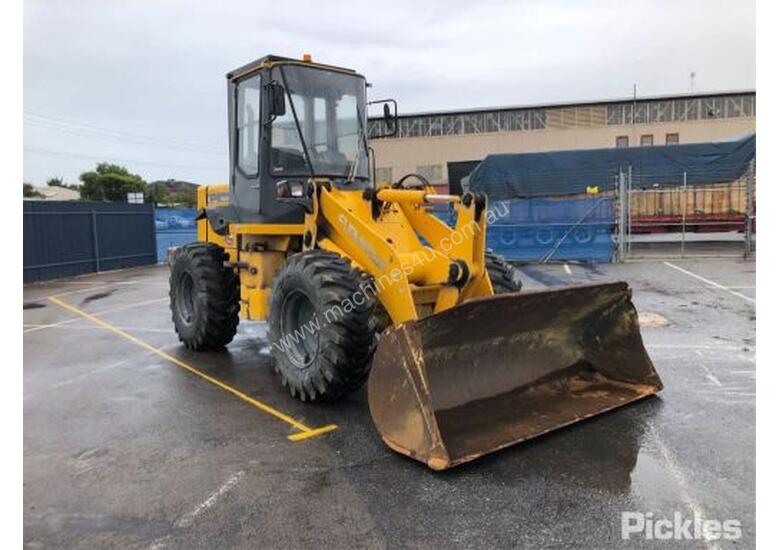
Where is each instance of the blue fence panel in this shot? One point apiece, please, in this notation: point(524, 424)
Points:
point(175, 227)
point(67, 238)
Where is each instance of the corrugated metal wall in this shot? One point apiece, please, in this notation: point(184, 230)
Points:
point(63, 239)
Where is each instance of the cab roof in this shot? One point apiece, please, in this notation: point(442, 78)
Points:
point(269, 60)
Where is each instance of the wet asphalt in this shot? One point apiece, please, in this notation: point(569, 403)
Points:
point(122, 448)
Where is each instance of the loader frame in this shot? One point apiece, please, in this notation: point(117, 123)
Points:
point(464, 365)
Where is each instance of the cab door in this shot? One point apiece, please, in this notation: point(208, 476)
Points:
point(245, 111)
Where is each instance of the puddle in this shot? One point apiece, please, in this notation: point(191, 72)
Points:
point(599, 454)
point(652, 482)
point(98, 296)
point(33, 305)
point(543, 277)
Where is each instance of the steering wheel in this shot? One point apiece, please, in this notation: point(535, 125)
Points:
point(290, 159)
point(422, 182)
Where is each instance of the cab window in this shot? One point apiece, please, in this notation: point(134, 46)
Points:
point(248, 125)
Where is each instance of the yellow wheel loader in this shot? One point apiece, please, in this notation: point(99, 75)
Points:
point(360, 280)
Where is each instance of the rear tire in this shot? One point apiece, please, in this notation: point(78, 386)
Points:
point(503, 276)
point(321, 337)
point(204, 297)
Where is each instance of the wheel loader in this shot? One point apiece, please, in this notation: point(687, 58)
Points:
point(360, 280)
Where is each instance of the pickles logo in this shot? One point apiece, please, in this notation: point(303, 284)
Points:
point(678, 528)
point(352, 231)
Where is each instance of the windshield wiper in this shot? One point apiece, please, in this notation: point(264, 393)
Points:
point(297, 124)
point(362, 139)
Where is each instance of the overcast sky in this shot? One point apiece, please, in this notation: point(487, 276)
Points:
point(143, 82)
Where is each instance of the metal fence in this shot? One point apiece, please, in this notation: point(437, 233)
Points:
point(685, 216)
point(68, 238)
point(630, 216)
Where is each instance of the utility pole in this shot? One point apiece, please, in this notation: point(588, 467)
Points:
point(633, 120)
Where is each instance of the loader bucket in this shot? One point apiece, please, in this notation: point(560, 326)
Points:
point(499, 370)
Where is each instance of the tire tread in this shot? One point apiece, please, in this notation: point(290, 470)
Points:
point(347, 343)
point(218, 296)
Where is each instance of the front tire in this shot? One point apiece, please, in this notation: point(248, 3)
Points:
point(204, 297)
point(321, 326)
point(503, 276)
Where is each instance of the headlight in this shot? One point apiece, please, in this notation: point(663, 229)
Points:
point(289, 189)
point(296, 189)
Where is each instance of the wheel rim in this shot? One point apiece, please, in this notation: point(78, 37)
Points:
point(185, 298)
point(297, 328)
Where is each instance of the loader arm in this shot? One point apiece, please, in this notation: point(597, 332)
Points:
point(445, 269)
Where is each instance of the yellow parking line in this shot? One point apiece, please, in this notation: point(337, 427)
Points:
point(300, 436)
point(304, 431)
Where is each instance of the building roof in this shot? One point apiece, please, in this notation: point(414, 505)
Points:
point(586, 103)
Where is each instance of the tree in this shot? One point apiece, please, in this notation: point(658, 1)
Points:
point(110, 182)
point(187, 197)
point(29, 192)
point(156, 192)
point(172, 193)
point(54, 182)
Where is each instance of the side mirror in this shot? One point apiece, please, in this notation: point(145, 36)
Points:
point(277, 105)
point(389, 117)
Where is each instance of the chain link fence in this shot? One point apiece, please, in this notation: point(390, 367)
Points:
point(685, 214)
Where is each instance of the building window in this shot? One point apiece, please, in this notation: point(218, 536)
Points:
point(431, 172)
point(646, 140)
point(621, 141)
point(672, 139)
point(384, 174)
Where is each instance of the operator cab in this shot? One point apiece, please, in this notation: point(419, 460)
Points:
point(290, 121)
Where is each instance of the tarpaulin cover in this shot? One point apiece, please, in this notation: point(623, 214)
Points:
point(175, 227)
point(557, 230)
point(554, 230)
point(557, 173)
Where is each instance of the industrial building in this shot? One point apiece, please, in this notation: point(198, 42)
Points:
point(445, 146)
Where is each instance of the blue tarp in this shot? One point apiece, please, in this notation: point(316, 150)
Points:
point(175, 227)
point(557, 173)
point(554, 229)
